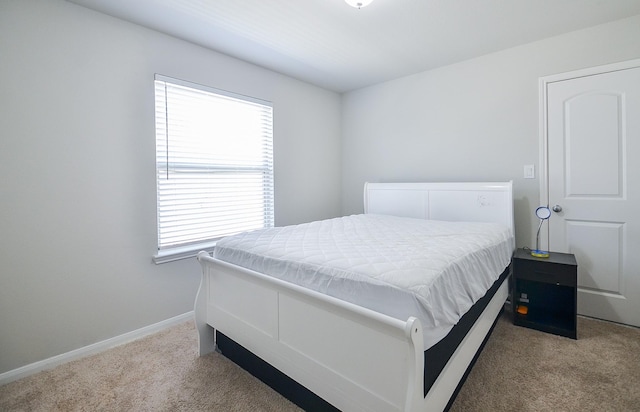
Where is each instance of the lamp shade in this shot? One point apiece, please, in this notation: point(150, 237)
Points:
point(358, 3)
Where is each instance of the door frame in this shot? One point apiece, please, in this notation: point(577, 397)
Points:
point(543, 82)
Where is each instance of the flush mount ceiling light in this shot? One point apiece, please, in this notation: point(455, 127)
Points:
point(358, 3)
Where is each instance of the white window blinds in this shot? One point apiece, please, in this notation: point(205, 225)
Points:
point(214, 160)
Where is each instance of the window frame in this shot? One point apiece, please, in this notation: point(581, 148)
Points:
point(187, 250)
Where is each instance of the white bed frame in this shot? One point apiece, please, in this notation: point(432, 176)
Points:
point(354, 358)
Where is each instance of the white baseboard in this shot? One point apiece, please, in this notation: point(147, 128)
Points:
point(54, 361)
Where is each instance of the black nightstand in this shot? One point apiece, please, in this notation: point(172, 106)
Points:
point(545, 292)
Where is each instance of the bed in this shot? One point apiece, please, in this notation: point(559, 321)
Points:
point(380, 353)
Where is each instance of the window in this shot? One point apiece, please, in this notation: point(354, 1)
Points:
point(214, 165)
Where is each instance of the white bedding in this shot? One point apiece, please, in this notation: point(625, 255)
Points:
point(402, 267)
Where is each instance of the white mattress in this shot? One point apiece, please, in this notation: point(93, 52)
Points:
point(398, 266)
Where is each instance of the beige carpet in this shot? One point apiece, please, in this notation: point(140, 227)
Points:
point(526, 370)
point(519, 370)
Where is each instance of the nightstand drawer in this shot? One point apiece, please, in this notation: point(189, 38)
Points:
point(556, 274)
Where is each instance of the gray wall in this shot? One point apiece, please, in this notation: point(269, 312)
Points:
point(77, 172)
point(476, 120)
point(77, 185)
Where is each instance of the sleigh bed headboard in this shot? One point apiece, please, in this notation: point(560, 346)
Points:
point(457, 201)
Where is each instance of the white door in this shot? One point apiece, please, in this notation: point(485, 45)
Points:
point(593, 143)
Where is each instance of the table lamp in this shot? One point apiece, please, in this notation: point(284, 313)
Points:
point(543, 214)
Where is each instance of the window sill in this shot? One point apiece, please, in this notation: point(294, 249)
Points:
point(183, 252)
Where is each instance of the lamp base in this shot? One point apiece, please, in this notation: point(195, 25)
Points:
point(540, 253)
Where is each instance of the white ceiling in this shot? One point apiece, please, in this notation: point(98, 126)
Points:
point(338, 47)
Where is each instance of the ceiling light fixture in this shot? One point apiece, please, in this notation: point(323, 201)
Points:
point(358, 3)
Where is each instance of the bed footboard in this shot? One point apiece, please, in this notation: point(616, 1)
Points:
point(354, 358)
point(206, 333)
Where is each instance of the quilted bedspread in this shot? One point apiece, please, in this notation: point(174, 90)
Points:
point(402, 267)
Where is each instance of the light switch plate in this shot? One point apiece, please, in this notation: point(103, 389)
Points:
point(529, 172)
